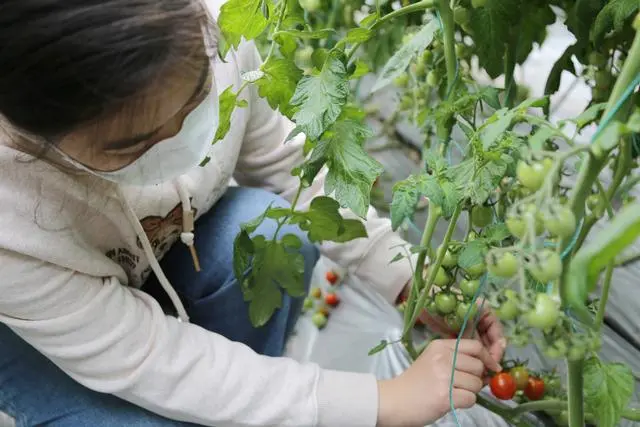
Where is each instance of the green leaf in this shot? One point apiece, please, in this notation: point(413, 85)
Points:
point(496, 125)
point(612, 18)
point(326, 223)
point(537, 140)
point(404, 201)
point(351, 229)
point(491, 26)
point(320, 98)
point(241, 18)
point(228, 102)
point(477, 182)
point(351, 170)
point(532, 28)
point(496, 233)
point(472, 254)
point(399, 62)
point(491, 96)
point(291, 241)
point(406, 194)
point(399, 257)
point(451, 197)
point(369, 20)
point(564, 63)
point(361, 69)
point(242, 253)
point(251, 226)
point(377, 349)
point(358, 35)
point(608, 390)
point(533, 103)
point(279, 83)
point(590, 115)
point(265, 301)
point(436, 164)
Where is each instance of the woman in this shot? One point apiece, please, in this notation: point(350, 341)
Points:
point(107, 108)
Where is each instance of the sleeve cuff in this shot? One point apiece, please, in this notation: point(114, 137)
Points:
point(347, 399)
point(376, 268)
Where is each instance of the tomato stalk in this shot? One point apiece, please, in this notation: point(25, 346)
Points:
point(509, 80)
point(281, 15)
point(433, 270)
point(448, 27)
point(415, 7)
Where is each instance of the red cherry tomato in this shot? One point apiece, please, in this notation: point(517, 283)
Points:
point(332, 299)
point(332, 277)
point(503, 386)
point(534, 389)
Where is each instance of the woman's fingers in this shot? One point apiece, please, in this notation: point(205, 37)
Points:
point(463, 380)
point(470, 365)
point(463, 399)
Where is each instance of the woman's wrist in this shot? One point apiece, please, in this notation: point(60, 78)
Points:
point(386, 403)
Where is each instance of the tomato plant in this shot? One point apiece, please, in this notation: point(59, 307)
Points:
point(490, 153)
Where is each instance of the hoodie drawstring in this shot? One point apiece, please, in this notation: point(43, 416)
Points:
point(151, 257)
point(187, 236)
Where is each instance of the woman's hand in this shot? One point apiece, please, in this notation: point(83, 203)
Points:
point(420, 395)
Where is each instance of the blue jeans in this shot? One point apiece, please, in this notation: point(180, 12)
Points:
point(35, 392)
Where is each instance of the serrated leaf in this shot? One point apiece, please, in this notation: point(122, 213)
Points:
point(532, 28)
point(451, 198)
point(291, 241)
point(358, 35)
point(399, 62)
point(608, 390)
point(279, 82)
point(351, 229)
point(325, 222)
point(228, 101)
point(435, 163)
point(472, 253)
point(612, 18)
point(496, 233)
point(320, 98)
point(403, 203)
point(241, 18)
point(377, 349)
point(352, 170)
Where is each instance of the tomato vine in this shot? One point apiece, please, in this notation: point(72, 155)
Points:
point(530, 250)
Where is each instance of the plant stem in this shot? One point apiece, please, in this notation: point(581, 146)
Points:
point(509, 80)
point(574, 389)
point(283, 12)
point(605, 295)
point(284, 220)
point(448, 30)
point(418, 274)
point(628, 259)
point(415, 7)
point(502, 411)
point(433, 270)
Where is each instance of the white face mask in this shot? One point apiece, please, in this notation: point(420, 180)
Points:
point(172, 157)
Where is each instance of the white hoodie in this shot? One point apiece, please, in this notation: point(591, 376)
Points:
point(72, 259)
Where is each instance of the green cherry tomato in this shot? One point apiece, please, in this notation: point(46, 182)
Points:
point(517, 220)
point(544, 314)
point(603, 79)
point(516, 226)
point(303, 55)
point(442, 277)
point(559, 220)
point(597, 59)
point(421, 70)
point(453, 322)
point(433, 78)
point(508, 309)
point(472, 236)
point(520, 375)
point(432, 307)
point(478, 3)
point(310, 5)
point(469, 287)
point(544, 265)
point(563, 418)
point(531, 175)
point(595, 205)
point(427, 57)
point(449, 260)
point(308, 304)
point(481, 216)
point(320, 320)
point(476, 270)
point(402, 80)
point(463, 308)
point(461, 15)
point(446, 303)
point(502, 264)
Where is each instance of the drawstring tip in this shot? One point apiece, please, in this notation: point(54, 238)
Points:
point(194, 256)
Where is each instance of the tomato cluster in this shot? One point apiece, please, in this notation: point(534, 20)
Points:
point(521, 384)
point(321, 303)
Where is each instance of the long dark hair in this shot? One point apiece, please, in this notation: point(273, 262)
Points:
point(64, 63)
